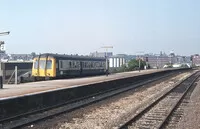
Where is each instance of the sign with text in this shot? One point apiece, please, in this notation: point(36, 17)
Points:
point(2, 48)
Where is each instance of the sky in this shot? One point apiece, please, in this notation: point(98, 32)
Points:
point(84, 26)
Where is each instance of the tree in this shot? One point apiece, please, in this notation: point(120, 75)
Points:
point(134, 64)
point(33, 54)
point(123, 68)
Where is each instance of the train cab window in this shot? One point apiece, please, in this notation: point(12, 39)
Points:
point(42, 64)
point(36, 64)
point(49, 64)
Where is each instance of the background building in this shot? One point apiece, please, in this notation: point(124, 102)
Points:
point(117, 61)
point(101, 54)
point(196, 60)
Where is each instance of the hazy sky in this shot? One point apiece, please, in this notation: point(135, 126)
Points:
point(84, 26)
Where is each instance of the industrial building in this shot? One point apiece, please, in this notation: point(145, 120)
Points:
point(117, 61)
point(153, 60)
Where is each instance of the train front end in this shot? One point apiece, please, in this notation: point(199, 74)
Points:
point(44, 66)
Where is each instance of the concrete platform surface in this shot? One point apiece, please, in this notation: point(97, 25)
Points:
point(10, 91)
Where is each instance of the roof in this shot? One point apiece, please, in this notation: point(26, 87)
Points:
point(70, 56)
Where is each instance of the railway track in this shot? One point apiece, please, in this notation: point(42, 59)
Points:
point(157, 113)
point(34, 116)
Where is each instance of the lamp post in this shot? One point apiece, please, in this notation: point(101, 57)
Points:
point(1, 43)
point(140, 52)
point(4, 33)
point(139, 64)
point(106, 47)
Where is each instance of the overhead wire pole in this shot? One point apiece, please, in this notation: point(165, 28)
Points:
point(107, 47)
point(1, 43)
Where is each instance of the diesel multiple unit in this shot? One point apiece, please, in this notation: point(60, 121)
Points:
point(60, 66)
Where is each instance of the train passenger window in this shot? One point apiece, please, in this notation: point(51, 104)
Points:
point(101, 64)
point(73, 64)
point(65, 64)
point(77, 64)
point(49, 64)
point(70, 64)
point(96, 64)
point(92, 64)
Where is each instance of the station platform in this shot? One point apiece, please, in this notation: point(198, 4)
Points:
point(12, 90)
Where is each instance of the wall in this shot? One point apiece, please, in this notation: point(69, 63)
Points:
point(9, 67)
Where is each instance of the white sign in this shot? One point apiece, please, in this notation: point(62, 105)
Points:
point(2, 47)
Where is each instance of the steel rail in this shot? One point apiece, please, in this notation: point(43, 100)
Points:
point(18, 121)
point(138, 115)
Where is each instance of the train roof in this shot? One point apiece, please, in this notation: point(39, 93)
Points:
point(70, 56)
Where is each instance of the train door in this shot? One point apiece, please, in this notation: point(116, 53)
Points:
point(50, 67)
point(42, 66)
point(35, 69)
point(37, 64)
